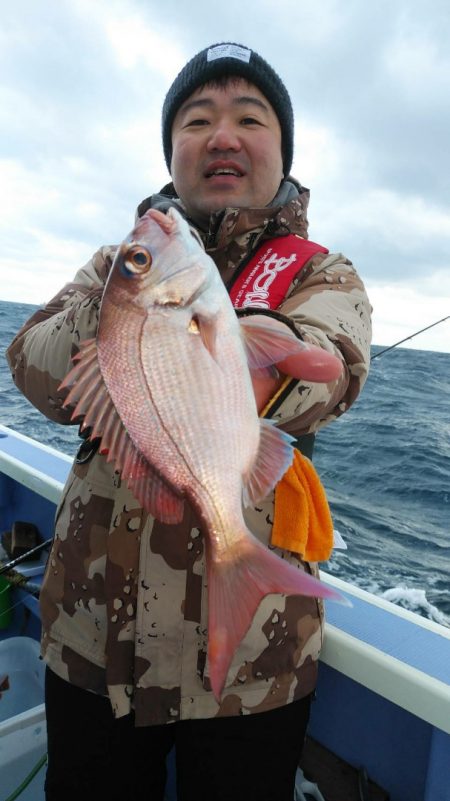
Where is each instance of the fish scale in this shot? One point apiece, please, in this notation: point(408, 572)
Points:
point(197, 429)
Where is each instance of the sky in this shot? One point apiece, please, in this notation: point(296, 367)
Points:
point(82, 83)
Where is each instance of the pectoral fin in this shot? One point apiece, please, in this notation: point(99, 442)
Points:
point(267, 340)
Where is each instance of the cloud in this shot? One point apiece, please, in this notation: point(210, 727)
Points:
point(137, 45)
point(81, 90)
point(391, 235)
point(417, 61)
point(400, 312)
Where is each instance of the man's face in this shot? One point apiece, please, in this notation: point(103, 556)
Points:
point(226, 149)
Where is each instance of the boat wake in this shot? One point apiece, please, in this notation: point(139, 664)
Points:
point(415, 601)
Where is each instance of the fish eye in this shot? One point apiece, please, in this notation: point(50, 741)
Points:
point(137, 260)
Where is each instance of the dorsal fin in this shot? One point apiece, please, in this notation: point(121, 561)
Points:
point(91, 398)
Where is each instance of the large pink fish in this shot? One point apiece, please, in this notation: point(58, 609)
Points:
point(166, 386)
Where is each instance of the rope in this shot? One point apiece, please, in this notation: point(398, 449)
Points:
point(19, 790)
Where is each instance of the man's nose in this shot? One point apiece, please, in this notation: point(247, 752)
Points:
point(224, 137)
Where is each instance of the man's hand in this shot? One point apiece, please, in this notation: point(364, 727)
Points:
point(327, 367)
point(265, 387)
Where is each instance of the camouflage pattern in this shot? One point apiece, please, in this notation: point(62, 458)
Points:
point(124, 599)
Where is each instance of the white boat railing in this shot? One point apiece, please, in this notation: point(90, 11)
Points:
point(34, 479)
point(392, 678)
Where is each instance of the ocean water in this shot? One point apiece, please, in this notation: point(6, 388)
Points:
point(385, 465)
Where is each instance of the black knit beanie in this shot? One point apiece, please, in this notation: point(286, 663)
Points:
point(230, 59)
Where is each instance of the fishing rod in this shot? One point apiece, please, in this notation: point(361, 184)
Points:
point(18, 580)
point(4, 568)
point(391, 347)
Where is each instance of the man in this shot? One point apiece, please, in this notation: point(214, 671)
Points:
point(124, 600)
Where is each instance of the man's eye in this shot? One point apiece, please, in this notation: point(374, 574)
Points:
point(250, 121)
point(198, 121)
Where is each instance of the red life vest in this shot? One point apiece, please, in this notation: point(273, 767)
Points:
point(266, 278)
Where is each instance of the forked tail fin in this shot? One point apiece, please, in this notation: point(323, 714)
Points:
point(235, 590)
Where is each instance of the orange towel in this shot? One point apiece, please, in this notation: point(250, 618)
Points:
point(302, 521)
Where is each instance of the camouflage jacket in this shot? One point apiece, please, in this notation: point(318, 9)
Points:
point(124, 602)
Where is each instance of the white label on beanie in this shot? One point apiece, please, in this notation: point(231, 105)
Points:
point(228, 51)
